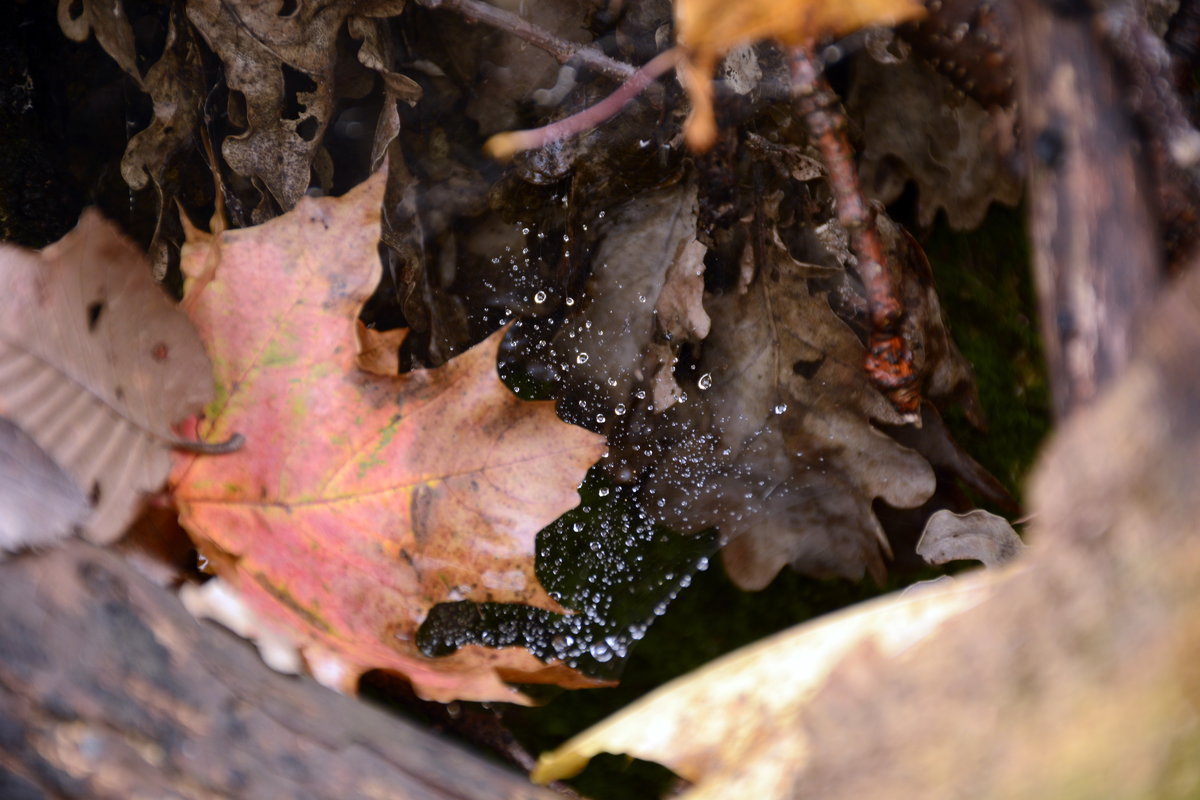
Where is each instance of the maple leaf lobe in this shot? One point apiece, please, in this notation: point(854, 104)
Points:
point(362, 500)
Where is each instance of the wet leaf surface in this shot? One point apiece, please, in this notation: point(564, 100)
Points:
point(359, 500)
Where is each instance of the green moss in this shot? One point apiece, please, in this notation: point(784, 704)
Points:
point(986, 289)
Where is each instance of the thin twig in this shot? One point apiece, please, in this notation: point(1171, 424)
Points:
point(562, 49)
point(503, 145)
point(889, 360)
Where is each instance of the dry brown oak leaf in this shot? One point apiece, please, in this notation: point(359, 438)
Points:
point(96, 365)
point(361, 500)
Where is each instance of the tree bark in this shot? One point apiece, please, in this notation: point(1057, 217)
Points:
point(1096, 241)
point(109, 688)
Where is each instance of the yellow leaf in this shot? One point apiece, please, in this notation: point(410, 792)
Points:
point(708, 29)
point(734, 728)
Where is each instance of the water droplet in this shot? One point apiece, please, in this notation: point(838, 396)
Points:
point(705, 380)
point(570, 301)
point(619, 410)
point(525, 231)
point(641, 394)
point(603, 492)
point(577, 527)
point(600, 418)
point(601, 215)
point(594, 546)
point(780, 408)
point(540, 297)
point(601, 652)
point(582, 358)
point(641, 298)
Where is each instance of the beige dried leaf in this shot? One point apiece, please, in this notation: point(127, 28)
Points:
point(1072, 673)
point(975, 536)
point(734, 728)
point(96, 364)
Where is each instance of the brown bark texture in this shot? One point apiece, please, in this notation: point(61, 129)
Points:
point(1096, 242)
point(109, 688)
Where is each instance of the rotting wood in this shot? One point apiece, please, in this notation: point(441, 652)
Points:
point(110, 689)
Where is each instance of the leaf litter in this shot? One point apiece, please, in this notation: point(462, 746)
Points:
point(362, 500)
point(641, 324)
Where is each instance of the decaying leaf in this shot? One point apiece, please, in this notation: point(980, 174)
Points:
point(175, 84)
point(783, 455)
point(916, 126)
point(96, 364)
point(708, 29)
point(360, 501)
point(107, 20)
point(278, 62)
point(974, 536)
point(39, 503)
point(646, 301)
point(735, 727)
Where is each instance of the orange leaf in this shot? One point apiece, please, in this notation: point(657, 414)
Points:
point(708, 29)
point(359, 500)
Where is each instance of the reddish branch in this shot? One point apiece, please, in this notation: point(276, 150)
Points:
point(562, 49)
point(889, 360)
point(503, 145)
